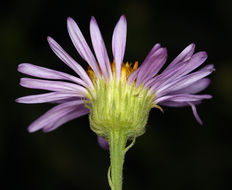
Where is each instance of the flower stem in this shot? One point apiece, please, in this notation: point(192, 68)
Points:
point(117, 142)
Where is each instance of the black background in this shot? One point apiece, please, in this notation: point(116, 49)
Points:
point(174, 153)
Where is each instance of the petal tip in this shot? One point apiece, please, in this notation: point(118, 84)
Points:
point(123, 19)
point(165, 51)
point(49, 38)
point(93, 19)
point(204, 54)
point(158, 45)
point(194, 110)
point(71, 22)
point(200, 56)
point(70, 19)
point(17, 100)
point(200, 122)
point(192, 45)
point(31, 129)
point(20, 67)
point(93, 23)
point(22, 80)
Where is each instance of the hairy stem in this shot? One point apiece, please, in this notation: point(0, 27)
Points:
point(117, 142)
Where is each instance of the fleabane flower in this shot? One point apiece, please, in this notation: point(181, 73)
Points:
point(117, 95)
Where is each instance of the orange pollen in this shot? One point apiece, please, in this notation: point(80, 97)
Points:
point(126, 70)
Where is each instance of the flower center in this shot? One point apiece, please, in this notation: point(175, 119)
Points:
point(126, 70)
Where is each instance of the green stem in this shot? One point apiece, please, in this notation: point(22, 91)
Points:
point(117, 141)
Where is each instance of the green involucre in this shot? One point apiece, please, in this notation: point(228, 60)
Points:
point(118, 106)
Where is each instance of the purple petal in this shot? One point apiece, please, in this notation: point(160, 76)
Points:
point(195, 87)
point(196, 114)
point(184, 82)
point(177, 71)
point(61, 101)
point(51, 116)
point(134, 75)
point(196, 60)
point(81, 45)
point(151, 66)
point(53, 86)
point(80, 111)
point(119, 44)
point(166, 77)
point(177, 104)
point(99, 48)
point(68, 60)
point(183, 56)
point(181, 104)
point(153, 50)
point(182, 98)
point(46, 97)
point(42, 72)
point(103, 143)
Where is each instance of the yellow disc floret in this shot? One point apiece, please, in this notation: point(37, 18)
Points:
point(126, 70)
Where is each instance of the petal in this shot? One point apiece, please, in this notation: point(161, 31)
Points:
point(177, 104)
point(183, 56)
point(181, 104)
point(42, 72)
point(177, 71)
point(134, 75)
point(196, 60)
point(68, 60)
point(99, 48)
point(119, 44)
point(196, 114)
point(182, 98)
point(69, 99)
point(103, 143)
point(151, 66)
point(46, 97)
point(153, 51)
point(51, 116)
point(78, 112)
point(195, 87)
point(53, 86)
point(81, 45)
point(184, 82)
point(164, 77)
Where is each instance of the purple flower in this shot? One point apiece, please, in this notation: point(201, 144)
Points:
point(176, 86)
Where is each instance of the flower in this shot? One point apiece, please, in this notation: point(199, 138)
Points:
point(114, 93)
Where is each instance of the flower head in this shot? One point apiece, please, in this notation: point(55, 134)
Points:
point(115, 95)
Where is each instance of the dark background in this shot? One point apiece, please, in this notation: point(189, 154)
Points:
point(175, 153)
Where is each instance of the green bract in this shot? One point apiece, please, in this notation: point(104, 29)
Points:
point(118, 106)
